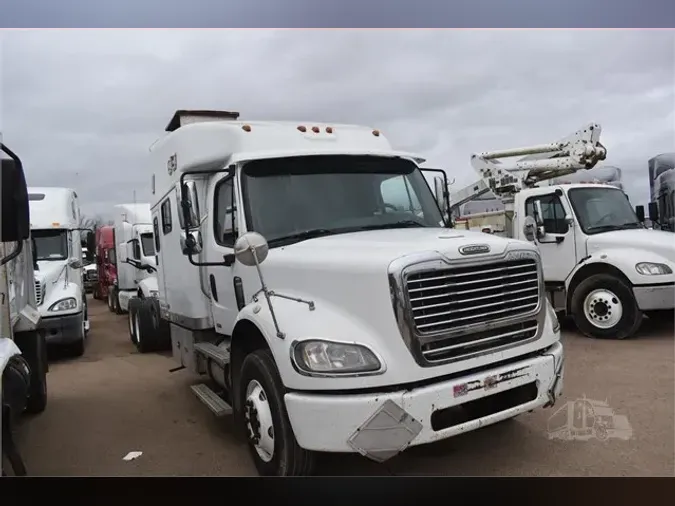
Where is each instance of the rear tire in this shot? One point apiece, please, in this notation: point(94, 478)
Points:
point(146, 335)
point(34, 349)
point(116, 302)
point(271, 441)
point(161, 327)
point(603, 307)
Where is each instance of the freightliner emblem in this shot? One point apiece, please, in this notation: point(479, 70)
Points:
point(474, 249)
point(172, 164)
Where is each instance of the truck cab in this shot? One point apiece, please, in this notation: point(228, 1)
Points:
point(23, 349)
point(134, 254)
point(309, 294)
point(59, 280)
point(601, 264)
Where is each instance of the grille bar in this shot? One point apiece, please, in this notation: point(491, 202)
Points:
point(472, 295)
point(39, 292)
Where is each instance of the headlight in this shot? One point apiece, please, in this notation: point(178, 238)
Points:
point(64, 305)
point(652, 269)
point(554, 317)
point(326, 357)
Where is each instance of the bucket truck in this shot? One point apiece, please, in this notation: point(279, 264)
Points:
point(23, 349)
point(601, 265)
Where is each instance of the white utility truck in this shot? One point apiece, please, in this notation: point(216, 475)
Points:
point(59, 280)
point(601, 265)
point(135, 255)
point(23, 349)
point(324, 316)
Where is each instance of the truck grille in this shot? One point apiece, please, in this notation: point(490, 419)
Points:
point(39, 292)
point(447, 300)
point(454, 347)
point(91, 275)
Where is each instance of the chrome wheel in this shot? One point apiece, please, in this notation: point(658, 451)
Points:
point(603, 309)
point(259, 421)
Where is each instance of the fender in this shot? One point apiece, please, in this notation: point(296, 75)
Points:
point(296, 321)
point(623, 260)
point(149, 287)
point(8, 349)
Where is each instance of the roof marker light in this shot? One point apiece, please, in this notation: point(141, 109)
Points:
point(246, 128)
point(315, 129)
point(329, 130)
point(376, 133)
point(302, 129)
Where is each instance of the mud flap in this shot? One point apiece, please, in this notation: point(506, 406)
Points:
point(386, 433)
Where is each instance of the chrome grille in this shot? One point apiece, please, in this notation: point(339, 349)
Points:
point(454, 347)
point(39, 292)
point(446, 300)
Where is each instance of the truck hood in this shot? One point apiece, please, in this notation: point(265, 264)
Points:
point(51, 270)
point(656, 241)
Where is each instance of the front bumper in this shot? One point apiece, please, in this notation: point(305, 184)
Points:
point(62, 329)
point(652, 297)
point(329, 423)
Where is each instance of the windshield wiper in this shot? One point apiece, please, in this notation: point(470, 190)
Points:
point(600, 228)
point(302, 236)
point(396, 224)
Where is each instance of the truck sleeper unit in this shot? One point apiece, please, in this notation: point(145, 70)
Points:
point(601, 265)
point(59, 281)
point(325, 314)
point(23, 349)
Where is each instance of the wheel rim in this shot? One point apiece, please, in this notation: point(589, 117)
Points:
point(131, 324)
point(603, 309)
point(137, 328)
point(259, 421)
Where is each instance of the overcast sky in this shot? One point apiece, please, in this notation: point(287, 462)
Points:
point(81, 107)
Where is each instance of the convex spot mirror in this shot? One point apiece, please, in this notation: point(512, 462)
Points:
point(251, 247)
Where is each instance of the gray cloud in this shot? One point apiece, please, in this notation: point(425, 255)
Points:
point(82, 107)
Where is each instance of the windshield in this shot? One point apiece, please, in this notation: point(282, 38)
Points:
point(50, 244)
point(148, 244)
point(297, 198)
point(602, 209)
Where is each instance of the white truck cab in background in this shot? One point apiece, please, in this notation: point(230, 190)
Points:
point(601, 265)
point(59, 282)
point(23, 350)
point(331, 319)
point(135, 255)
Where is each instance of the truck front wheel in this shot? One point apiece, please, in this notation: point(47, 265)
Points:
point(271, 441)
point(603, 307)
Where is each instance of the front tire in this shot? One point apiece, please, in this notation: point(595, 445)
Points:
point(603, 307)
point(146, 335)
point(34, 349)
point(271, 441)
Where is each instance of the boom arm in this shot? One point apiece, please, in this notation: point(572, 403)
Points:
point(580, 151)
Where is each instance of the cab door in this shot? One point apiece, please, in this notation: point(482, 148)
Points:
point(557, 245)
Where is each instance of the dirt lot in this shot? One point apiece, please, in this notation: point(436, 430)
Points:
point(114, 400)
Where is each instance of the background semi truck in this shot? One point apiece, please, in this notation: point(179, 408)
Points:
point(661, 170)
point(105, 265)
point(322, 316)
point(23, 349)
point(59, 279)
point(601, 265)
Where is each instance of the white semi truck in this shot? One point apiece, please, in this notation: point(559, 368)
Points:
point(601, 265)
point(135, 255)
point(23, 349)
point(59, 280)
point(324, 317)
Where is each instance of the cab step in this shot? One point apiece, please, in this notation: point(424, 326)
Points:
point(219, 355)
point(212, 400)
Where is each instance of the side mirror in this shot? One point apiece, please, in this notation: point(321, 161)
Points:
point(14, 207)
point(439, 193)
point(530, 228)
point(569, 219)
point(133, 249)
point(251, 249)
point(640, 213)
point(75, 264)
point(191, 242)
point(190, 204)
point(539, 214)
point(653, 212)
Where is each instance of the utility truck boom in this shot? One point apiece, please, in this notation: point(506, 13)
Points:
point(601, 265)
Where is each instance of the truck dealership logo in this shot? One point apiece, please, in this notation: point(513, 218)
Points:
point(585, 419)
point(474, 249)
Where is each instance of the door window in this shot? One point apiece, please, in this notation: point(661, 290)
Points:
point(553, 213)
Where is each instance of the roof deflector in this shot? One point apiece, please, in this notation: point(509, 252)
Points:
point(184, 117)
